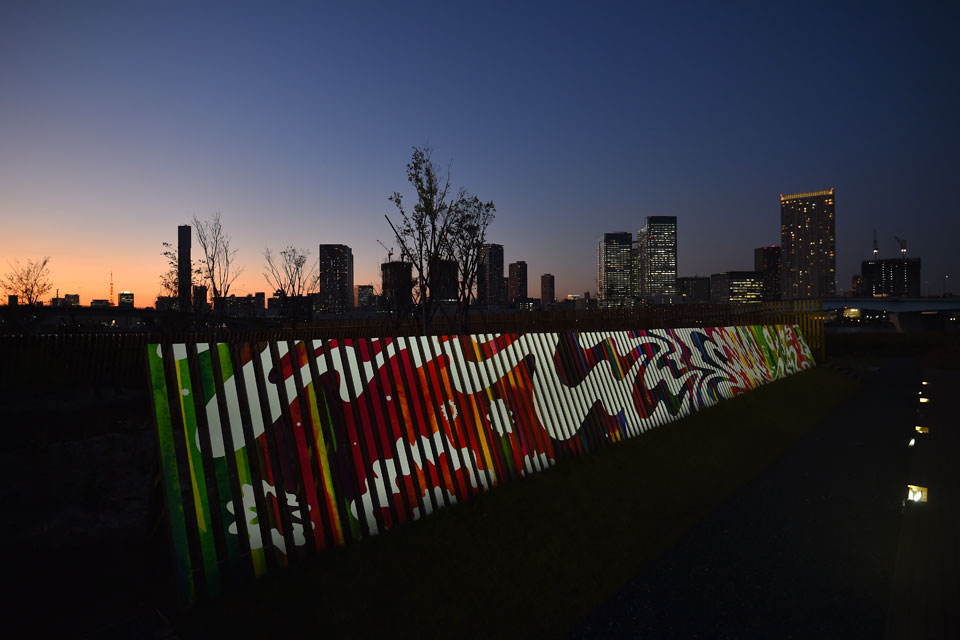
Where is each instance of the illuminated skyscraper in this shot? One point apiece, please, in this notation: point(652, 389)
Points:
point(336, 278)
point(808, 239)
point(657, 249)
point(613, 266)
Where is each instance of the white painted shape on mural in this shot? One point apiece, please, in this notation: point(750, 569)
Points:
point(477, 477)
point(253, 527)
point(500, 416)
point(180, 350)
point(253, 397)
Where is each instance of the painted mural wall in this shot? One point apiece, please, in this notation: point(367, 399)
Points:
point(273, 451)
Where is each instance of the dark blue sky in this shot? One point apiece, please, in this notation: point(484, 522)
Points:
point(121, 120)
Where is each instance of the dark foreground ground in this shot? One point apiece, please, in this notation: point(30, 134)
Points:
point(776, 514)
point(531, 559)
point(806, 550)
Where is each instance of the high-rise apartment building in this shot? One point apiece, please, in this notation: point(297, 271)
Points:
point(768, 261)
point(613, 266)
point(808, 239)
point(125, 299)
point(490, 289)
point(548, 290)
point(184, 275)
point(336, 278)
point(517, 282)
point(657, 249)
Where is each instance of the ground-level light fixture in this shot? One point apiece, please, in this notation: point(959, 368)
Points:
point(916, 494)
point(924, 383)
point(924, 399)
point(912, 442)
point(922, 429)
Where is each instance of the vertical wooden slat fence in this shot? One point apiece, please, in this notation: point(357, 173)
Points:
point(273, 450)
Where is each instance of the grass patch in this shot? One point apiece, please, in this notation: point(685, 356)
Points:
point(532, 558)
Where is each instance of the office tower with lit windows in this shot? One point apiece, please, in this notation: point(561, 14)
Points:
point(336, 278)
point(125, 299)
point(613, 266)
point(517, 282)
point(548, 290)
point(490, 288)
point(808, 241)
point(737, 287)
point(657, 252)
point(767, 261)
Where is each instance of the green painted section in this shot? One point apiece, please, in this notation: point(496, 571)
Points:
point(198, 483)
point(171, 478)
point(244, 475)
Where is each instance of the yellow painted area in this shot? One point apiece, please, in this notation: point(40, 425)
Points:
point(487, 457)
point(324, 461)
point(198, 505)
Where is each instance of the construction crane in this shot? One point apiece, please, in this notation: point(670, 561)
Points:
point(389, 251)
point(903, 247)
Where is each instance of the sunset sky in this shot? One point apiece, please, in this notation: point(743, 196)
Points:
point(121, 120)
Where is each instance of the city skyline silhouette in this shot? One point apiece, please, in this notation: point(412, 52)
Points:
point(296, 123)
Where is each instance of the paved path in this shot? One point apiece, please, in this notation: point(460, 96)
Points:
point(925, 598)
point(806, 550)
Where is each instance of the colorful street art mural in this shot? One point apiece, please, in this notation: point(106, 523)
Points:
point(274, 451)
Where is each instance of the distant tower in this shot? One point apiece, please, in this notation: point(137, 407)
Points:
point(876, 251)
point(396, 292)
point(517, 281)
point(547, 289)
point(613, 266)
point(184, 279)
point(657, 252)
point(336, 278)
point(768, 262)
point(808, 241)
point(490, 289)
point(111, 288)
